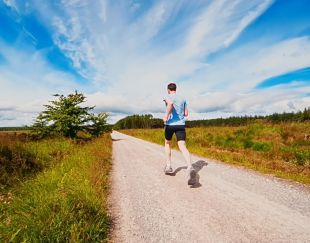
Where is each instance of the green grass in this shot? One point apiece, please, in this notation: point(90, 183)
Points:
point(63, 200)
point(23, 159)
point(280, 149)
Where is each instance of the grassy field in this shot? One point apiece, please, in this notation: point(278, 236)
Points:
point(53, 190)
point(282, 150)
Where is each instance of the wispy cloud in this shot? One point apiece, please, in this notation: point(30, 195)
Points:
point(221, 23)
point(11, 4)
point(27, 82)
point(129, 50)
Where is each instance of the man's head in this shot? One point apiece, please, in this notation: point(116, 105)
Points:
point(172, 87)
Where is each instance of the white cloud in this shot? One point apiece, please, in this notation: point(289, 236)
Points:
point(150, 24)
point(247, 19)
point(221, 23)
point(135, 6)
point(112, 52)
point(11, 3)
point(103, 14)
point(27, 82)
point(130, 58)
point(247, 66)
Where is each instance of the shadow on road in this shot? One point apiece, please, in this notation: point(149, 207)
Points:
point(116, 139)
point(198, 165)
point(177, 170)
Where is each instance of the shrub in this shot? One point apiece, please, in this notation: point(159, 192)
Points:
point(16, 163)
point(302, 157)
point(258, 146)
point(64, 116)
point(247, 143)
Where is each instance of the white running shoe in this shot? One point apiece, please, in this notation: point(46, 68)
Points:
point(168, 170)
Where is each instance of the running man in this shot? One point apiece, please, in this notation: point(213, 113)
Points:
point(174, 120)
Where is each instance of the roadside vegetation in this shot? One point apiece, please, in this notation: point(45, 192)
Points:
point(280, 149)
point(53, 186)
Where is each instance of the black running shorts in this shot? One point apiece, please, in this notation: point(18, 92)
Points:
point(179, 131)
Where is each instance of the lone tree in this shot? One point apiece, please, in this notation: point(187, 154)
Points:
point(64, 116)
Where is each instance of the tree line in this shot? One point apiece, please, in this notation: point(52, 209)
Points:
point(138, 121)
point(148, 121)
point(23, 128)
point(300, 116)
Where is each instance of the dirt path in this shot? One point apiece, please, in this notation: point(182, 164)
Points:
point(228, 204)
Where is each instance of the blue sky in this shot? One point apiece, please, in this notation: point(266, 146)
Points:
point(228, 57)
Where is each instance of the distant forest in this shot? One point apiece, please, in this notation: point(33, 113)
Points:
point(300, 116)
point(23, 128)
point(148, 121)
point(138, 121)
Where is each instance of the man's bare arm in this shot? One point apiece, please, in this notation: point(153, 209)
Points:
point(168, 110)
point(185, 111)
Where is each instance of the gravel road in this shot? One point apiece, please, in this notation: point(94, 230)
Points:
point(228, 204)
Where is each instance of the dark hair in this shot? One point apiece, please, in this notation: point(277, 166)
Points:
point(172, 87)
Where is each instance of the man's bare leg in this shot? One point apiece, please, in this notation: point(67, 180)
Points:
point(186, 154)
point(191, 172)
point(168, 153)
